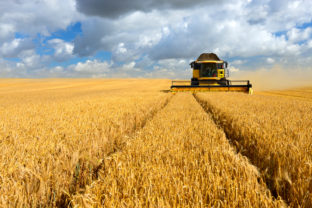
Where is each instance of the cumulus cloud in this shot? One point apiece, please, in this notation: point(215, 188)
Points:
point(153, 38)
point(31, 17)
point(91, 67)
point(30, 60)
point(297, 35)
point(14, 47)
point(5, 68)
point(270, 60)
point(171, 68)
point(245, 29)
point(97, 69)
point(278, 15)
point(233, 69)
point(21, 22)
point(62, 50)
point(231, 36)
point(7, 31)
point(238, 62)
point(134, 32)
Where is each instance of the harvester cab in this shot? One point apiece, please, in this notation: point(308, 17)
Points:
point(210, 74)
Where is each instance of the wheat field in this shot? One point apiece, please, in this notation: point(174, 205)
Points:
point(131, 143)
point(275, 133)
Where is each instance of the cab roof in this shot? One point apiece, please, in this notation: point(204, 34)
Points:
point(208, 57)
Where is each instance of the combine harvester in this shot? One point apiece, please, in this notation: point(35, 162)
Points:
point(210, 74)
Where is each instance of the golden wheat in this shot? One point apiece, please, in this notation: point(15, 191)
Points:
point(179, 159)
point(298, 93)
point(53, 137)
point(275, 133)
point(127, 143)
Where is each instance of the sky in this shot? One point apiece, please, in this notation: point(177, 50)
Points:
point(151, 38)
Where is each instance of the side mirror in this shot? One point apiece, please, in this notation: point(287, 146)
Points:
point(192, 64)
point(226, 64)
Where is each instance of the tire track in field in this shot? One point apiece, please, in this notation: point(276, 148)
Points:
point(179, 159)
point(65, 199)
point(119, 147)
point(227, 129)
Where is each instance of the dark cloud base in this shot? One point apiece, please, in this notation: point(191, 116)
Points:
point(116, 8)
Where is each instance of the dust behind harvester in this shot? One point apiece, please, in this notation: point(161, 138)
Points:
point(210, 74)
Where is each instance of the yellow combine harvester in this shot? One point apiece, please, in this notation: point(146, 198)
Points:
point(210, 74)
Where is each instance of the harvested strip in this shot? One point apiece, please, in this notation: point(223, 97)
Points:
point(275, 134)
point(179, 159)
point(51, 149)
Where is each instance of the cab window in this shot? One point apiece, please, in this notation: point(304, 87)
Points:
point(208, 70)
point(220, 66)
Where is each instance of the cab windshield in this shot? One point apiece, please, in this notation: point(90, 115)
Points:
point(208, 70)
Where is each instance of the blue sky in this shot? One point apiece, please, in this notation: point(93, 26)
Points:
point(111, 38)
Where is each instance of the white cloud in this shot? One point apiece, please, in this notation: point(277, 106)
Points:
point(296, 35)
point(31, 60)
point(171, 68)
point(270, 60)
point(238, 62)
point(310, 44)
point(15, 47)
point(62, 50)
point(232, 38)
point(23, 21)
point(7, 31)
point(97, 68)
point(156, 38)
point(279, 15)
point(92, 67)
point(57, 69)
point(4, 67)
point(32, 17)
point(245, 29)
point(233, 69)
point(136, 33)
